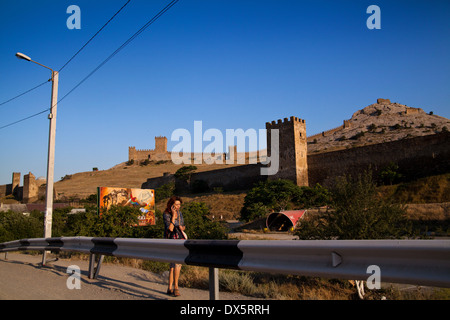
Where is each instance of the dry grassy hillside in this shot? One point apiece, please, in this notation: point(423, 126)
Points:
point(81, 185)
point(380, 122)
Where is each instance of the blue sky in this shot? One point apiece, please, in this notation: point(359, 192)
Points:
point(229, 63)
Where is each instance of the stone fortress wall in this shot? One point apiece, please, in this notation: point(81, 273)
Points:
point(161, 153)
point(31, 191)
point(416, 157)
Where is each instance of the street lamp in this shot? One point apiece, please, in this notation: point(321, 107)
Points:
point(51, 151)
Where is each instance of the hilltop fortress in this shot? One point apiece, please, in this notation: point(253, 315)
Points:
point(355, 149)
point(374, 137)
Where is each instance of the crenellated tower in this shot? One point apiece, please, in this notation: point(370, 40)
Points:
point(293, 163)
point(161, 144)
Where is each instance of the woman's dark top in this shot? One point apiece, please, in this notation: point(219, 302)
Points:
point(179, 221)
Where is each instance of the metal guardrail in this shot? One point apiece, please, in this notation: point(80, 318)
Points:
point(420, 262)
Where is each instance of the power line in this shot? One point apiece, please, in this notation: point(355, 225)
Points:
point(5, 102)
point(94, 36)
point(29, 90)
point(137, 33)
point(29, 117)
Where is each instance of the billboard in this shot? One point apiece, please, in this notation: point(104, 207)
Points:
point(144, 199)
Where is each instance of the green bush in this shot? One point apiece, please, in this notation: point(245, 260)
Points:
point(165, 191)
point(116, 222)
point(276, 195)
point(390, 174)
point(316, 196)
point(184, 173)
point(198, 225)
point(358, 212)
point(15, 226)
point(273, 194)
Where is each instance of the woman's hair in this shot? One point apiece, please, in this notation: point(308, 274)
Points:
point(171, 202)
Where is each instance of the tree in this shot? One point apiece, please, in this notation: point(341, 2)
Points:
point(269, 195)
point(390, 174)
point(15, 226)
point(184, 173)
point(165, 191)
point(357, 213)
point(277, 195)
point(183, 178)
point(316, 196)
point(198, 225)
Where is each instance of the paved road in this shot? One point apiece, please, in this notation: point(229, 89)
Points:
point(22, 278)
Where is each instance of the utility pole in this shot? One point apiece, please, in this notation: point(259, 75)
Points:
point(51, 157)
point(50, 161)
point(51, 152)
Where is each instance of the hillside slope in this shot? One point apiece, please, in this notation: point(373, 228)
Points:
point(81, 185)
point(378, 123)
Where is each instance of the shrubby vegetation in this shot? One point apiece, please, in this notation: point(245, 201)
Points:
point(355, 208)
point(276, 195)
point(198, 225)
point(185, 172)
point(356, 212)
point(165, 191)
point(116, 222)
point(14, 226)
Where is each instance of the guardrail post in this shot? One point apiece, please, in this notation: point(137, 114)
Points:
point(213, 284)
point(44, 257)
point(91, 265)
point(99, 263)
point(94, 271)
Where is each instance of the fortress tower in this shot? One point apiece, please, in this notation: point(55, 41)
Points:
point(30, 188)
point(293, 163)
point(159, 153)
point(161, 144)
point(15, 184)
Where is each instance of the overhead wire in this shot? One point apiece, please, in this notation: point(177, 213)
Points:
point(151, 21)
point(23, 93)
point(29, 117)
point(137, 33)
point(94, 36)
point(68, 61)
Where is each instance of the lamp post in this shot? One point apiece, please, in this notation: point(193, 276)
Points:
point(51, 151)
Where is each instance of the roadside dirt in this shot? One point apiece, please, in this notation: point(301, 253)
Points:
point(23, 278)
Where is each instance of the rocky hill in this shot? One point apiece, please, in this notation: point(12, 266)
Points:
point(377, 123)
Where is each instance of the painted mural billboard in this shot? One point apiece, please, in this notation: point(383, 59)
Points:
point(144, 199)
